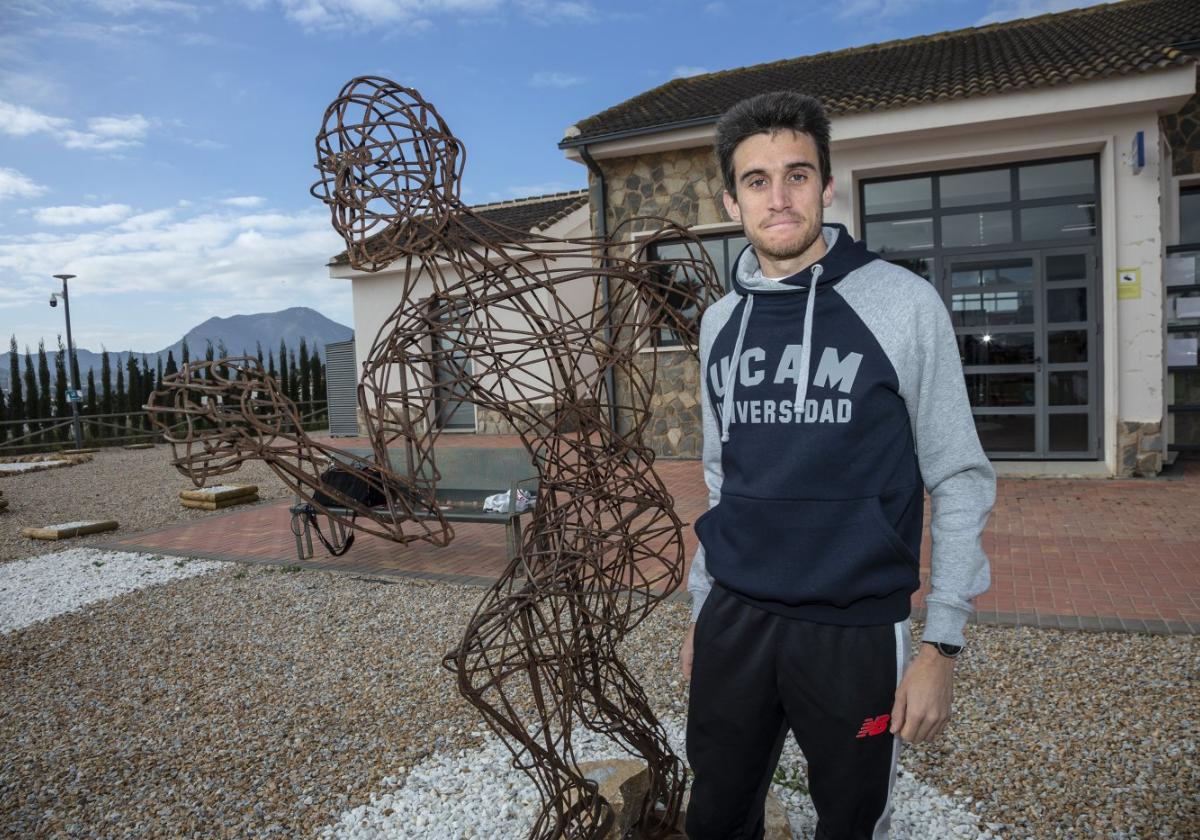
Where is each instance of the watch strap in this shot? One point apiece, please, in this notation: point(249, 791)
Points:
point(947, 650)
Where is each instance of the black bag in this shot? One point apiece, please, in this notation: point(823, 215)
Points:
point(352, 486)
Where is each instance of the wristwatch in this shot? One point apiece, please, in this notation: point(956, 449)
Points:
point(946, 650)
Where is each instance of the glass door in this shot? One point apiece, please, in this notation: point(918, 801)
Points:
point(1026, 328)
point(454, 411)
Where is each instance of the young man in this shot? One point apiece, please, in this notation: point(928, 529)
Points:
point(832, 398)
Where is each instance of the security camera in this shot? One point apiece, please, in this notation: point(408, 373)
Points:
point(53, 300)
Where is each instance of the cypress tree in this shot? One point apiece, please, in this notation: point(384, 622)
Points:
point(171, 368)
point(318, 378)
point(16, 402)
point(61, 409)
point(31, 399)
point(120, 400)
point(284, 383)
point(106, 394)
point(293, 379)
point(147, 389)
point(91, 392)
point(258, 353)
point(45, 389)
point(158, 378)
point(184, 354)
point(271, 372)
point(73, 371)
point(222, 353)
point(3, 417)
point(305, 373)
point(133, 397)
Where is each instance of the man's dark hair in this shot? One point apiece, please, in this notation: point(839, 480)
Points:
point(768, 113)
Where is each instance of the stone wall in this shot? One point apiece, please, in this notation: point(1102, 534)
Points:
point(674, 430)
point(491, 422)
point(1182, 130)
point(685, 187)
point(1139, 448)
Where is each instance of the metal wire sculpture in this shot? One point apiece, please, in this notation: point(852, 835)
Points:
point(540, 331)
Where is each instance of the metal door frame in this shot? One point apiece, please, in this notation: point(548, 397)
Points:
point(1041, 368)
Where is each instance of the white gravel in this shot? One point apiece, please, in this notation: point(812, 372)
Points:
point(31, 466)
point(37, 588)
point(475, 793)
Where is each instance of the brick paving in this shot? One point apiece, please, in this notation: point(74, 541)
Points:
point(1090, 554)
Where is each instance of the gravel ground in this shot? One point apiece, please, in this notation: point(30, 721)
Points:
point(138, 488)
point(38, 588)
point(261, 702)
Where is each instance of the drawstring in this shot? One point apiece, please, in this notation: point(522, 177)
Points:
point(805, 356)
point(806, 347)
point(731, 376)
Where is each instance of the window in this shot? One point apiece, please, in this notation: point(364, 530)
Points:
point(722, 249)
point(913, 221)
point(1182, 275)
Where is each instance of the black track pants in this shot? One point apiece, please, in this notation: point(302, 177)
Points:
point(754, 676)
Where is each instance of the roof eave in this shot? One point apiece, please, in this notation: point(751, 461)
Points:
point(661, 128)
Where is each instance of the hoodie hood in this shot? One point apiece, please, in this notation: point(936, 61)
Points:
point(842, 255)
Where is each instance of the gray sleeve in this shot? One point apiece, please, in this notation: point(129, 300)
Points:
point(699, 581)
point(911, 323)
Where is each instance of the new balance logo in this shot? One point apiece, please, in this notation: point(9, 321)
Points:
point(874, 726)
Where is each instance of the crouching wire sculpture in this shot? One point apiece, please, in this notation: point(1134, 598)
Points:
point(543, 333)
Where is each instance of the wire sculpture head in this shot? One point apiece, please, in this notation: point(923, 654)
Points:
point(390, 170)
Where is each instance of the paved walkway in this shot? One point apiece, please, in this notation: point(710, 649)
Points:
point(1091, 554)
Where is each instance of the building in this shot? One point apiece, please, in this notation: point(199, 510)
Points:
point(1044, 174)
point(376, 295)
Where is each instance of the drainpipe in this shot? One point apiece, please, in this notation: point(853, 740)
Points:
point(602, 232)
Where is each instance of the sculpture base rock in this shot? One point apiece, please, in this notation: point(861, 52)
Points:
point(625, 784)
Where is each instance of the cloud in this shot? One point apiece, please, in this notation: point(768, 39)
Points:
point(338, 14)
point(559, 11)
point(1001, 10)
point(102, 134)
point(555, 79)
point(128, 7)
point(15, 185)
point(20, 121)
point(81, 215)
point(874, 10)
point(190, 257)
point(683, 71)
point(245, 201)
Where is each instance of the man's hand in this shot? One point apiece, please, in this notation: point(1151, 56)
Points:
point(922, 707)
point(685, 652)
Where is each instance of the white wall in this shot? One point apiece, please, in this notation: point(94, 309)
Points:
point(376, 296)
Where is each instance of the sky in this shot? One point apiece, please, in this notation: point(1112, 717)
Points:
point(162, 150)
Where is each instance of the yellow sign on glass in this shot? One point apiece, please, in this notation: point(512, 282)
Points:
point(1129, 283)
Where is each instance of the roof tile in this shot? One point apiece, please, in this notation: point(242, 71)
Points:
point(1135, 36)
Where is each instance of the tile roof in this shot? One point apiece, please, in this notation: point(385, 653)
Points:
point(1134, 36)
point(528, 215)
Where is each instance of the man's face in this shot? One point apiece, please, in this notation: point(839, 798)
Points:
point(780, 201)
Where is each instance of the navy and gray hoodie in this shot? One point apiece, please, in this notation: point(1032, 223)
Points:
point(846, 401)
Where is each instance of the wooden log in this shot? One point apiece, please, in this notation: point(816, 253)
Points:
point(205, 505)
point(219, 493)
point(69, 529)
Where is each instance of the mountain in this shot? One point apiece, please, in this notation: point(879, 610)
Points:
point(238, 332)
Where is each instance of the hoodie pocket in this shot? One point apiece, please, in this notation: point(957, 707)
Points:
point(806, 551)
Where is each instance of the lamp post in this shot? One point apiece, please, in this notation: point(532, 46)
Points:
point(70, 356)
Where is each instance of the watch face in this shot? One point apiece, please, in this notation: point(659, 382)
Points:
point(949, 650)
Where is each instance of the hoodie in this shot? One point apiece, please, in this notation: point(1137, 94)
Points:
point(831, 401)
